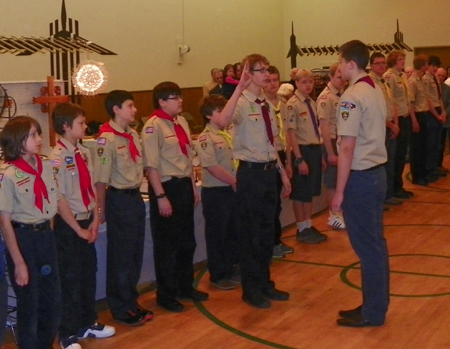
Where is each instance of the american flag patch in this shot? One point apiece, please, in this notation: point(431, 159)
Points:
point(202, 139)
point(1, 177)
point(101, 141)
point(56, 162)
point(149, 129)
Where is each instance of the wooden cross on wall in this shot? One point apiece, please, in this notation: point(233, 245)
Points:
point(48, 100)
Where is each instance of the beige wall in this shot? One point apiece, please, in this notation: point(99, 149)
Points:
point(144, 32)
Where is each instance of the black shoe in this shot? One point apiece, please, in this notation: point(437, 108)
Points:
point(431, 178)
point(422, 182)
point(351, 312)
point(194, 295)
point(171, 305)
point(132, 319)
point(316, 231)
point(145, 313)
point(257, 301)
point(276, 295)
point(355, 321)
point(403, 194)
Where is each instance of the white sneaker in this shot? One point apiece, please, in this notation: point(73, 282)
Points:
point(69, 343)
point(336, 221)
point(96, 330)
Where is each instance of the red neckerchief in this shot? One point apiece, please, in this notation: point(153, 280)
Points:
point(179, 130)
point(40, 190)
point(366, 79)
point(85, 177)
point(106, 127)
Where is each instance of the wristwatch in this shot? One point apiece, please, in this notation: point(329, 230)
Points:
point(298, 161)
point(160, 196)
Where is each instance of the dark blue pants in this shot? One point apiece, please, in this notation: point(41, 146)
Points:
point(277, 222)
point(434, 134)
point(3, 304)
point(221, 231)
point(77, 261)
point(390, 149)
point(257, 197)
point(419, 148)
point(174, 240)
point(125, 218)
point(38, 302)
point(401, 150)
point(363, 214)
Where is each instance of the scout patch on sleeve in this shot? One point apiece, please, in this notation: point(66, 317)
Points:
point(344, 115)
point(68, 160)
point(348, 105)
point(149, 129)
point(101, 141)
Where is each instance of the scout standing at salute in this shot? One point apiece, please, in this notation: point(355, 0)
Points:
point(168, 161)
point(77, 257)
point(361, 182)
point(29, 198)
point(218, 195)
point(254, 147)
point(306, 140)
point(327, 104)
point(119, 166)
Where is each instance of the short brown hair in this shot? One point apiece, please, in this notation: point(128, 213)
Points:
point(333, 69)
point(211, 103)
point(64, 114)
point(15, 134)
point(254, 59)
point(419, 61)
point(392, 57)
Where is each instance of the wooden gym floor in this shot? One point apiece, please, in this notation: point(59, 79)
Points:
point(322, 279)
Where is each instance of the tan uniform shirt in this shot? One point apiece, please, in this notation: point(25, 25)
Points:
point(400, 91)
point(17, 194)
point(300, 120)
point(162, 149)
point(419, 94)
point(113, 163)
point(362, 114)
point(213, 150)
point(386, 93)
point(281, 114)
point(68, 176)
point(327, 104)
point(251, 142)
point(432, 89)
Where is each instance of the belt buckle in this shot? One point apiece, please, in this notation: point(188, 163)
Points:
point(268, 166)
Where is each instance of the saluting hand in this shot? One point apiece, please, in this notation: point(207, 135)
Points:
point(246, 77)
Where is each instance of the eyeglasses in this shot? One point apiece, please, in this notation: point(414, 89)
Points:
point(262, 70)
point(175, 98)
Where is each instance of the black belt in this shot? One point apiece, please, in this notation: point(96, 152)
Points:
point(266, 166)
point(125, 191)
point(370, 168)
point(32, 226)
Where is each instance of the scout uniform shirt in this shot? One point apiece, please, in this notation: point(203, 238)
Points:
point(162, 149)
point(419, 94)
point(327, 104)
point(212, 150)
point(281, 121)
point(114, 165)
point(432, 89)
point(400, 92)
point(67, 174)
point(362, 114)
point(251, 142)
point(299, 119)
point(17, 193)
point(381, 83)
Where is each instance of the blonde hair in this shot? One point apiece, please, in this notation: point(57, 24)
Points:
point(303, 73)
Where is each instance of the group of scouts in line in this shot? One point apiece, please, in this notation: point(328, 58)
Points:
point(246, 168)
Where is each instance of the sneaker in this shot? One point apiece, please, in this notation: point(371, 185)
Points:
point(308, 236)
point(145, 313)
point(316, 231)
point(96, 330)
point(223, 285)
point(277, 252)
point(69, 343)
point(336, 221)
point(286, 248)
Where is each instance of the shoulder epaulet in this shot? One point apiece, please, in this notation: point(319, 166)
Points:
point(44, 157)
point(4, 167)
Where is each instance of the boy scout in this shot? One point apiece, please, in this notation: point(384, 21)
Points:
point(254, 147)
point(173, 195)
point(361, 182)
point(306, 140)
point(118, 177)
point(77, 258)
point(218, 195)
